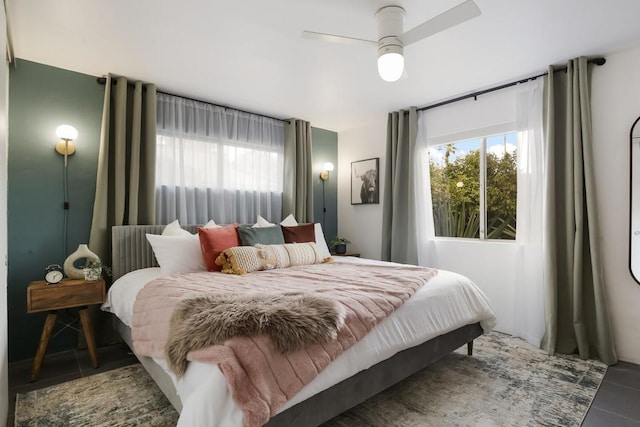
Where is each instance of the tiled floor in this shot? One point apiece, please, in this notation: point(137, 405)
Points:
point(617, 403)
point(64, 366)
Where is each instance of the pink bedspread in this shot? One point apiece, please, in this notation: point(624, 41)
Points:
point(260, 379)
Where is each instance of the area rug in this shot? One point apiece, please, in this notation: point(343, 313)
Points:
point(122, 397)
point(507, 382)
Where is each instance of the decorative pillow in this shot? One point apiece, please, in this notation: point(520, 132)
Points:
point(178, 253)
point(174, 229)
point(304, 254)
point(215, 240)
point(251, 236)
point(245, 259)
point(299, 233)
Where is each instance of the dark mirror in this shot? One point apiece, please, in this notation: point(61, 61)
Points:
point(634, 249)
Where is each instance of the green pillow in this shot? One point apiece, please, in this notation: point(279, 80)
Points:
point(251, 236)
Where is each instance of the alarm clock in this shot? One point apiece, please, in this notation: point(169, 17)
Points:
point(53, 274)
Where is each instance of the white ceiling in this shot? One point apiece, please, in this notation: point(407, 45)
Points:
point(249, 54)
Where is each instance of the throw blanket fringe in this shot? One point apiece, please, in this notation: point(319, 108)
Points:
point(292, 321)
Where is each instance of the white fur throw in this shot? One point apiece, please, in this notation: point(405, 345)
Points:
point(292, 321)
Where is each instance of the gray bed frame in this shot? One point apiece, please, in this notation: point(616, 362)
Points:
point(131, 251)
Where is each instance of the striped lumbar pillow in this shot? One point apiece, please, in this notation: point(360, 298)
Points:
point(245, 259)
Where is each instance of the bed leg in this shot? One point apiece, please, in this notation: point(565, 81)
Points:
point(470, 348)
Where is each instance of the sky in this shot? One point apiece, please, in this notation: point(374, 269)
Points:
point(495, 144)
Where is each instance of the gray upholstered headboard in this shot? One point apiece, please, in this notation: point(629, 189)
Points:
point(130, 247)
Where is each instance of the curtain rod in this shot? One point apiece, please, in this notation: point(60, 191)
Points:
point(103, 80)
point(474, 95)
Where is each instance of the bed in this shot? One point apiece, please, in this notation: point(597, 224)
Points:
point(376, 362)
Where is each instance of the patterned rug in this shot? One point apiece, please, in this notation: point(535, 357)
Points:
point(507, 382)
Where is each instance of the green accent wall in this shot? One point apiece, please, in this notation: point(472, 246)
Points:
point(40, 99)
point(325, 149)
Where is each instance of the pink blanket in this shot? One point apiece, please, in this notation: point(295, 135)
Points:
point(260, 379)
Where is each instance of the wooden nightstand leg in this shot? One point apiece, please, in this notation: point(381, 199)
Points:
point(88, 336)
point(42, 346)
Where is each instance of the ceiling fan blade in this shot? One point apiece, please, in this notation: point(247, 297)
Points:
point(336, 39)
point(450, 18)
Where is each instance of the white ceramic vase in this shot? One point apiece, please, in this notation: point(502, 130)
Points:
point(82, 252)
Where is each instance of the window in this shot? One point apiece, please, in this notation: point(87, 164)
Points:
point(216, 163)
point(473, 187)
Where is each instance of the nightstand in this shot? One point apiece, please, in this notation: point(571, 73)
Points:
point(69, 293)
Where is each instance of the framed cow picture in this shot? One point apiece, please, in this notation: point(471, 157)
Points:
point(364, 182)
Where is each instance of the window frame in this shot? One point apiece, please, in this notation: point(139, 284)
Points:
point(482, 134)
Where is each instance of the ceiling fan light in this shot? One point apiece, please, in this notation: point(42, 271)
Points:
point(390, 66)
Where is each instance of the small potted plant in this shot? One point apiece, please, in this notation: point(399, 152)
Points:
point(92, 269)
point(339, 245)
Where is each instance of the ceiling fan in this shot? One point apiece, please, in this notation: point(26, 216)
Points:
point(392, 40)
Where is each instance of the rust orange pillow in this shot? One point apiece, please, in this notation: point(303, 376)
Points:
point(299, 233)
point(215, 240)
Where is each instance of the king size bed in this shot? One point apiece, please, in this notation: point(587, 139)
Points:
point(444, 313)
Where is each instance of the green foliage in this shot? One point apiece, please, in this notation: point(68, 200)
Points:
point(463, 222)
point(93, 263)
point(455, 191)
point(339, 241)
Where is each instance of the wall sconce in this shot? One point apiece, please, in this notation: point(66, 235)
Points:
point(326, 168)
point(324, 175)
point(65, 146)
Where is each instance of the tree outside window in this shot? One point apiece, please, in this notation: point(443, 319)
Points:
point(474, 187)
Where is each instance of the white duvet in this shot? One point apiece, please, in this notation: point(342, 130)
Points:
point(447, 302)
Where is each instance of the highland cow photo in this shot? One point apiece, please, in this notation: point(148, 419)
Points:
point(364, 182)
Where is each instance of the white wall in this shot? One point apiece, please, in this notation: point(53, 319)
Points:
point(615, 103)
point(362, 224)
point(4, 143)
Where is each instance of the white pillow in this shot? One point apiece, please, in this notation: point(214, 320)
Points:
point(261, 222)
point(289, 221)
point(174, 229)
point(211, 224)
point(321, 244)
point(177, 254)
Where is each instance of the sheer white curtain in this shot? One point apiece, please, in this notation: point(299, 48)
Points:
point(216, 163)
point(427, 255)
point(531, 148)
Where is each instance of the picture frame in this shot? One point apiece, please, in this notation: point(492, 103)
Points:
point(365, 188)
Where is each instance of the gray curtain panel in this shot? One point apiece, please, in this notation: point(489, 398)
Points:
point(577, 316)
point(297, 196)
point(399, 240)
point(125, 184)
